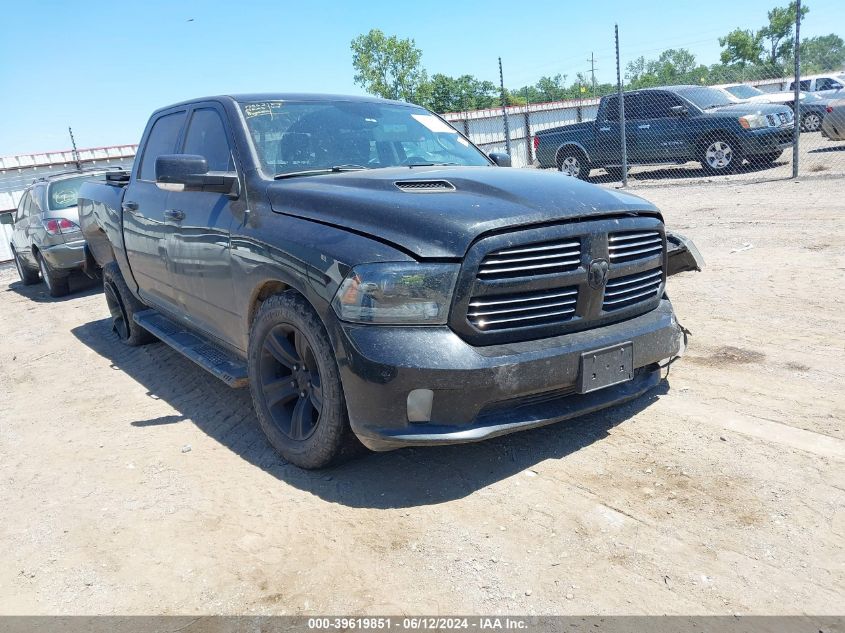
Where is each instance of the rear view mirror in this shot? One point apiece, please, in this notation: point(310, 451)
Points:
point(189, 172)
point(501, 159)
point(6, 218)
point(679, 110)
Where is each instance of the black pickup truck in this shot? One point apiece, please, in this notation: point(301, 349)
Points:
point(371, 274)
point(675, 124)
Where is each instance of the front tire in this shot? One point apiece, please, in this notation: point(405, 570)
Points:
point(122, 307)
point(720, 155)
point(27, 275)
point(57, 285)
point(295, 384)
point(571, 161)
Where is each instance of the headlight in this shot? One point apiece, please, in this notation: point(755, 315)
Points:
point(753, 121)
point(397, 293)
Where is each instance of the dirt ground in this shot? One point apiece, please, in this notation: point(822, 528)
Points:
point(135, 483)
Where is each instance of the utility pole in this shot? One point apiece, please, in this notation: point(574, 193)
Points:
point(504, 108)
point(592, 61)
point(74, 150)
point(621, 113)
point(796, 124)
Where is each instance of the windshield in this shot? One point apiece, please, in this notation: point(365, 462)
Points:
point(704, 97)
point(744, 91)
point(62, 194)
point(292, 137)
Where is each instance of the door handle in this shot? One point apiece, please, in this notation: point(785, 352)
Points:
point(644, 127)
point(129, 206)
point(174, 214)
point(604, 129)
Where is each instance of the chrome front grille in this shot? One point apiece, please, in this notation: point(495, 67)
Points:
point(546, 258)
point(524, 309)
point(549, 280)
point(622, 292)
point(628, 246)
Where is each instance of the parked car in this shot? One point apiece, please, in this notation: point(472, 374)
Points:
point(370, 273)
point(745, 92)
point(669, 125)
point(46, 239)
point(829, 85)
point(833, 126)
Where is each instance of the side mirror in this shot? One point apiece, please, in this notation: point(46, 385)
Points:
point(189, 172)
point(679, 110)
point(501, 159)
point(6, 218)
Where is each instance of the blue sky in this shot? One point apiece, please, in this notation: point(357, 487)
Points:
point(103, 67)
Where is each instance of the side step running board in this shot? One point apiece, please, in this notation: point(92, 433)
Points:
point(203, 352)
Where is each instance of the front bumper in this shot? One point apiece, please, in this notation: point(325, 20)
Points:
point(482, 392)
point(766, 140)
point(67, 256)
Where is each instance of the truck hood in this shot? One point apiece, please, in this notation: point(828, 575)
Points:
point(443, 224)
point(741, 109)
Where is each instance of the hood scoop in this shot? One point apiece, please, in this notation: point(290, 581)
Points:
point(425, 186)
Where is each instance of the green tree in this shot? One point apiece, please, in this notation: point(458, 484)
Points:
point(777, 36)
point(457, 94)
point(673, 66)
point(822, 53)
point(741, 47)
point(389, 67)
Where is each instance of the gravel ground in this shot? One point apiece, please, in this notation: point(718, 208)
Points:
point(135, 483)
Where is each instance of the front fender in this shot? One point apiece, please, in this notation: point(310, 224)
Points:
point(682, 255)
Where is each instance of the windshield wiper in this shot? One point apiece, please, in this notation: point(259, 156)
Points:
point(335, 169)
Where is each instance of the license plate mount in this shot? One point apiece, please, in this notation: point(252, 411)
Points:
point(605, 367)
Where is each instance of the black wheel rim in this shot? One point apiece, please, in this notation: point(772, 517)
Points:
point(290, 382)
point(119, 323)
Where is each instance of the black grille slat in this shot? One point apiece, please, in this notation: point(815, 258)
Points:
point(522, 310)
point(539, 259)
point(632, 289)
point(623, 247)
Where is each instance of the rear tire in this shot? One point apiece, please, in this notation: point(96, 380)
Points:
point(27, 275)
point(720, 155)
point(811, 122)
point(571, 161)
point(295, 384)
point(122, 307)
point(57, 284)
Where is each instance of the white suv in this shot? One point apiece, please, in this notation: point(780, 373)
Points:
point(823, 85)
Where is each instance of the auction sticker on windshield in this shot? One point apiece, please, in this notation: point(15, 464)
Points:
point(434, 124)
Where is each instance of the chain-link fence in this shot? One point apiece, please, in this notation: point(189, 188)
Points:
point(640, 131)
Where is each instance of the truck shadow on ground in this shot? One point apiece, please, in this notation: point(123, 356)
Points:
point(398, 479)
point(80, 286)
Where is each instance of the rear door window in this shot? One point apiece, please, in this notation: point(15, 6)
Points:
point(635, 105)
point(207, 137)
point(161, 140)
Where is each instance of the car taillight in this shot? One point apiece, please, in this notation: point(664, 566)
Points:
point(59, 225)
point(536, 142)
